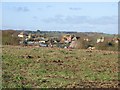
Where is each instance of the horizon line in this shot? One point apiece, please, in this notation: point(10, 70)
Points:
point(57, 31)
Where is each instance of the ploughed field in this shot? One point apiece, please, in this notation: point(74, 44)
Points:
point(43, 67)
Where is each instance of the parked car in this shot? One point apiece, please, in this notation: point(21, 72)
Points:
point(43, 45)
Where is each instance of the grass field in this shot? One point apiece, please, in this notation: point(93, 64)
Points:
point(38, 67)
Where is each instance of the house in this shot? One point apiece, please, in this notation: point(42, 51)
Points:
point(116, 40)
point(30, 36)
point(66, 38)
point(74, 38)
point(100, 40)
point(91, 48)
point(86, 39)
point(22, 35)
point(42, 41)
point(74, 42)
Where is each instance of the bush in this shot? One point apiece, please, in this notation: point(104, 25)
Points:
point(9, 37)
point(107, 46)
point(84, 44)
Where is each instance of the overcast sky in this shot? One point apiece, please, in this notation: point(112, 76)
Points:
point(61, 16)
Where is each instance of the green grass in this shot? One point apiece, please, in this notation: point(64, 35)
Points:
point(55, 67)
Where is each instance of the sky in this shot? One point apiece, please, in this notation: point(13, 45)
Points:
point(61, 16)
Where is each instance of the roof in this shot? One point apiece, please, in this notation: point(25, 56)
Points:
point(23, 33)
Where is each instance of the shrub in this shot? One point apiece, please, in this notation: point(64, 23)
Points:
point(107, 46)
point(9, 37)
point(84, 44)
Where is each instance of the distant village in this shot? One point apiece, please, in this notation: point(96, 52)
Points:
point(65, 41)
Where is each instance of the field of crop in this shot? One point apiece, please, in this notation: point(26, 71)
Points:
point(38, 67)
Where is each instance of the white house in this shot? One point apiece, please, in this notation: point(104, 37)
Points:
point(42, 41)
point(100, 40)
point(22, 34)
